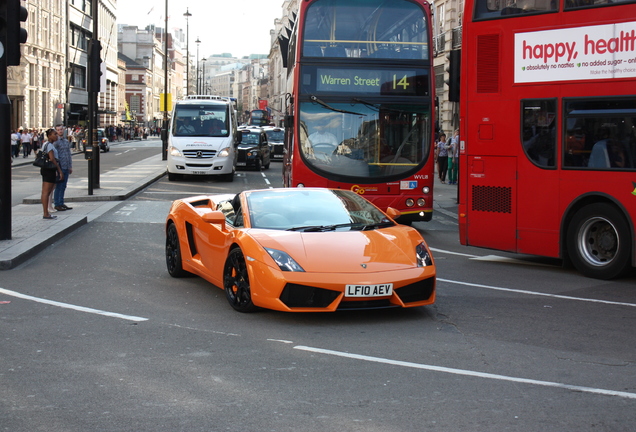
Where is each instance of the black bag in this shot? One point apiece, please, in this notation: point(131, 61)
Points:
point(42, 160)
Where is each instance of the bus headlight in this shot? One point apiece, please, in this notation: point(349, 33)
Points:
point(426, 190)
point(410, 202)
point(174, 152)
point(421, 202)
point(224, 152)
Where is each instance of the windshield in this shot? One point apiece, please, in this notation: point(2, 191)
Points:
point(250, 138)
point(313, 210)
point(366, 29)
point(362, 141)
point(200, 120)
point(276, 135)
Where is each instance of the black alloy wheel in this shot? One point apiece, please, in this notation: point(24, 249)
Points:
point(173, 253)
point(236, 282)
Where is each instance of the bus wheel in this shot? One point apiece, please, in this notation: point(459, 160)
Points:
point(598, 242)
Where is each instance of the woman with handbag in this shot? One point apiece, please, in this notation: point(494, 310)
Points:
point(49, 175)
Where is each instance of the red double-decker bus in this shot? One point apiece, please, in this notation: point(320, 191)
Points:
point(548, 131)
point(360, 115)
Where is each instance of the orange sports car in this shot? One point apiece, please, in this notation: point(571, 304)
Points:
point(301, 250)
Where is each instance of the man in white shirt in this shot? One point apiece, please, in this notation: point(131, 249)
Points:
point(15, 144)
point(26, 139)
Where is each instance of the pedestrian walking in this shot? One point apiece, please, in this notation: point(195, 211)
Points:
point(15, 144)
point(26, 139)
point(441, 157)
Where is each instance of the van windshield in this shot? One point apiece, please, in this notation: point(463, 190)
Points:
point(201, 120)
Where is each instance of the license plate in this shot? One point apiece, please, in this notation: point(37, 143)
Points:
point(241, 163)
point(379, 290)
point(199, 172)
point(278, 156)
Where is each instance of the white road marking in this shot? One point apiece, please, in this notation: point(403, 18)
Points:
point(70, 306)
point(453, 253)
point(469, 373)
point(535, 293)
point(265, 178)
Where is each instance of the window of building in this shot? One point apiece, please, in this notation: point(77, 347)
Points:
point(135, 103)
point(78, 76)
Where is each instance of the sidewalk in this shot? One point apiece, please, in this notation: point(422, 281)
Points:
point(30, 234)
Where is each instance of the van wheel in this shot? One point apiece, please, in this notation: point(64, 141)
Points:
point(598, 242)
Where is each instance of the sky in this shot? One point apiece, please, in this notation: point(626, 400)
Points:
point(240, 27)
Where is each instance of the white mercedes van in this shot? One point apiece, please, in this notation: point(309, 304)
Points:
point(203, 137)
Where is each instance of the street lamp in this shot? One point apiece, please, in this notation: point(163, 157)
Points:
point(198, 42)
point(187, 15)
point(203, 79)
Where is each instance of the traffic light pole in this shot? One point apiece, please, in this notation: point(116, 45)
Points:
point(12, 14)
point(5, 153)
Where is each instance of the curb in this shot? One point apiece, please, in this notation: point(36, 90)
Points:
point(25, 250)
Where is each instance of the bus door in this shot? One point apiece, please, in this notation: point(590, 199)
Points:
point(492, 202)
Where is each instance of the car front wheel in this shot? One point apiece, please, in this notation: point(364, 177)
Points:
point(236, 282)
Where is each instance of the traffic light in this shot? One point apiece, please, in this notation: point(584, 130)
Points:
point(454, 66)
point(11, 32)
point(95, 66)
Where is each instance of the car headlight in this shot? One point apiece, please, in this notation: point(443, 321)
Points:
point(423, 255)
point(284, 261)
point(224, 152)
point(174, 151)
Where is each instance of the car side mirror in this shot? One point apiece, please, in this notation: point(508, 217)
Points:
point(393, 212)
point(214, 217)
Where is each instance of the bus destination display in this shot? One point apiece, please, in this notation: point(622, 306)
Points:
point(370, 82)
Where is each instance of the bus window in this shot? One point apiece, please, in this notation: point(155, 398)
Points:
point(488, 9)
point(538, 130)
point(366, 28)
point(365, 141)
point(600, 134)
point(579, 4)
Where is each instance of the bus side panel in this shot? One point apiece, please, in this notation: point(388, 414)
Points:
point(539, 215)
point(491, 206)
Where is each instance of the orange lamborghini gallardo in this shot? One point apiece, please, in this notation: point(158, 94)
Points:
point(301, 250)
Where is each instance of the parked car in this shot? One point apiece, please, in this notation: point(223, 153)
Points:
point(275, 138)
point(301, 250)
point(102, 140)
point(253, 150)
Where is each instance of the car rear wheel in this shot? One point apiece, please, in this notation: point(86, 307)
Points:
point(173, 253)
point(236, 282)
point(598, 242)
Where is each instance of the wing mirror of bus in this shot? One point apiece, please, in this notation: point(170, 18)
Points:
point(289, 121)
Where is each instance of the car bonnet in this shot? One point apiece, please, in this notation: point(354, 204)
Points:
point(343, 251)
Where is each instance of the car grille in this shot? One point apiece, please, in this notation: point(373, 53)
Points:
point(418, 291)
point(295, 295)
point(199, 154)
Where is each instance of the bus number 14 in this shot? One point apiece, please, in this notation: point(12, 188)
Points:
point(401, 83)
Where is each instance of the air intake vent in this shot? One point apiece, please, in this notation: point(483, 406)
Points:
point(488, 64)
point(496, 199)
